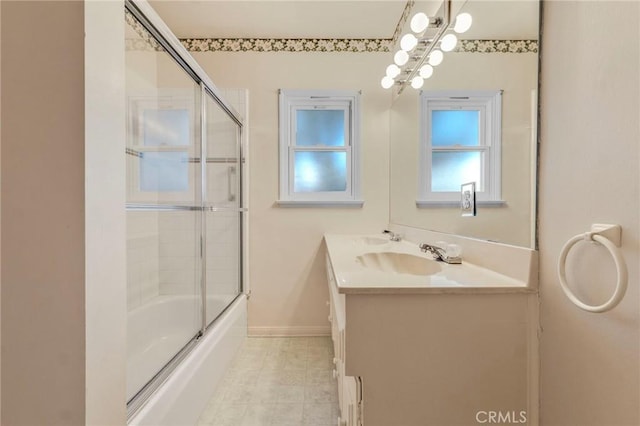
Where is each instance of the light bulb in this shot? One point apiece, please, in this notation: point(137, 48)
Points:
point(426, 71)
point(408, 42)
point(448, 42)
point(435, 58)
point(417, 82)
point(463, 23)
point(401, 57)
point(393, 71)
point(419, 22)
point(386, 82)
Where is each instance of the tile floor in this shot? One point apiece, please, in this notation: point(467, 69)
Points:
point(277, 381)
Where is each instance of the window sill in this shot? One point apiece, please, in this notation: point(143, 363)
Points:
point(422, 204)
point(320, 203)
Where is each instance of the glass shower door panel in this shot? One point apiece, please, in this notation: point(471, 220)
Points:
point(163, 124)
point(223, 154)
point(163, 288)
point(222, 262)
point(164, 218)
point(223, 221)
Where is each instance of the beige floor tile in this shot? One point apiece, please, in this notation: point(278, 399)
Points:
point(321, 393)
point(277, 381)
point(265, 393)
point(229, 414)
point(292, 377)
point(318, 377)
point(290, 394)
point(317, 414)
point(287, 414)
point(258, 415)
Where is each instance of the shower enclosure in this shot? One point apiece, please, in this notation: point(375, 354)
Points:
point(184, 206)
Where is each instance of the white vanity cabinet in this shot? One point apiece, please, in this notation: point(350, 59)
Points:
point(349, 396)
point(430, 355)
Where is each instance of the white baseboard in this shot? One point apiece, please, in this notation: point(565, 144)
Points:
point(292, 331)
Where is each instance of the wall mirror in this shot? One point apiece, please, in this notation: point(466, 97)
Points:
point(499, 53)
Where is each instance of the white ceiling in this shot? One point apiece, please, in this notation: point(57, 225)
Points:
point(495, 19)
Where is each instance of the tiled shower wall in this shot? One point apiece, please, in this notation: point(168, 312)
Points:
point(142, 255)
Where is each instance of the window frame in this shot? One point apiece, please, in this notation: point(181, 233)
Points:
point(489, 105)
point(291, 101)
point(162, 100)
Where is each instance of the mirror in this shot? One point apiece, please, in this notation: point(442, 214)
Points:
point(490, 56)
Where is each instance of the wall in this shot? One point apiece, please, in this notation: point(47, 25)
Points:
point(105, 228)
point(589, 157)
point(0, 217)
point(63, 293)
point(288, 282)
point(43, 295)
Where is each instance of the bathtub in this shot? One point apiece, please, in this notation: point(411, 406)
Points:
point(186, 391)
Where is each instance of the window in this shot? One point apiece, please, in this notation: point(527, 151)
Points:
point(319, 148)
point(162, 146)
point(460, 134)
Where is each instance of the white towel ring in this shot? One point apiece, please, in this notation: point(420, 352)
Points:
point(621, 267)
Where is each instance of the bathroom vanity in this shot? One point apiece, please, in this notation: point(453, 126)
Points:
point(419, 342)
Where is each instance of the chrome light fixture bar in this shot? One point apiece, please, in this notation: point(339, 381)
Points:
point(413, 68)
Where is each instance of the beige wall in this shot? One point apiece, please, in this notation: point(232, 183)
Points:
point(288, 281)
point(43, 313)
point(104, 185)
point(589, 174)
point(62, 174)
point(0, 217)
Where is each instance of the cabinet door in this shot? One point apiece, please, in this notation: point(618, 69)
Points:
point(351, 400)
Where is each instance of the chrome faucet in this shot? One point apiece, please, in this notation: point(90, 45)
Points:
point(392, 235)
point(440, 254)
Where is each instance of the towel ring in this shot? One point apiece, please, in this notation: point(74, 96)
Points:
point(621, 267)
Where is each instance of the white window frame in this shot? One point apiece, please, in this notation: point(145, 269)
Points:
point(291, 101)
point(489, 103)
point(162, 99)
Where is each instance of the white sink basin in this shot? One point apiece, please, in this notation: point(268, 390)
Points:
point(400, 263)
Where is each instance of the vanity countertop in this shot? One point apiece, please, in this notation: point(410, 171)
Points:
point(366, 264)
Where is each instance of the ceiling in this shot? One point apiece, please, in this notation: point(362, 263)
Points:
point(495, 19)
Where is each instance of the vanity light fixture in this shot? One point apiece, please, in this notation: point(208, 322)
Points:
point(417, 82)
point(408, 42)
point(463, 23)
point(435, 58)
point(401, 57)
point(448, 42)
point(427, 47)
point(419, 22)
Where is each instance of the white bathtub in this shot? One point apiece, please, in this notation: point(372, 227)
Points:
point(183, 396)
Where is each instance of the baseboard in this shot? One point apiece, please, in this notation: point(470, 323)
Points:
point(292, 331)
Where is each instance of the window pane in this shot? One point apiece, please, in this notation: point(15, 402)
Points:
point(449, 170)
point(165, 127)
point(164, 171)
point(320, 171)
point(323, 127)
point(457, 127)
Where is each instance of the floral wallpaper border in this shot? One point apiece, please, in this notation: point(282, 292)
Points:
point(497, 46)
point(346, 45)
point(287, 45)
point(146, 42)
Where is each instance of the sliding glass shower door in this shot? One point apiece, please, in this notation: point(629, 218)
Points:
point(184, 224)
point(222, 217)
